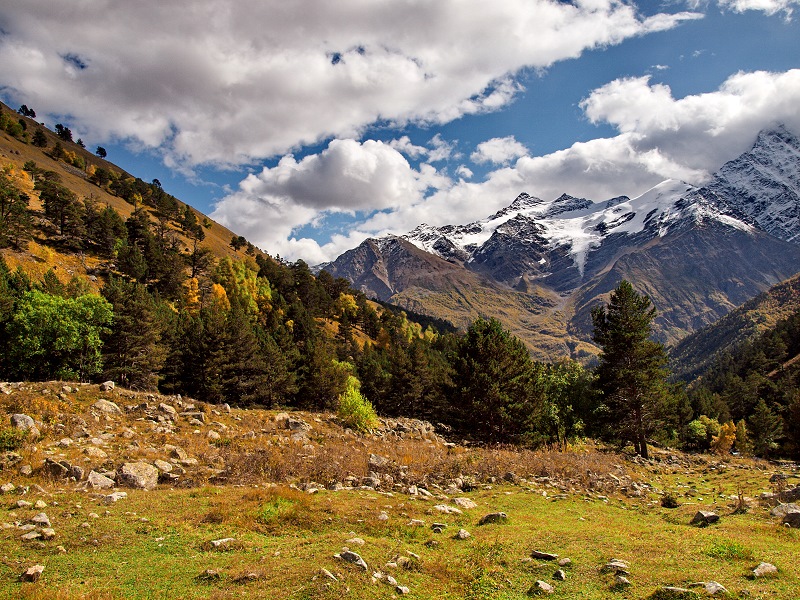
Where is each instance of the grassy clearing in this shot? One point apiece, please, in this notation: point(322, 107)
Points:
point(578, 504)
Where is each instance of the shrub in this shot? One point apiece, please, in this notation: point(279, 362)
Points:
point(354, 410)
point(12, 439)
point(669, 500)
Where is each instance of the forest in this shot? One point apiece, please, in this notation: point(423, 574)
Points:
point(255, 330)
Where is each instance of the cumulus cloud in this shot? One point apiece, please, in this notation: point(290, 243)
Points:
point(347, 177)
point(770, 7)
point(498, 151)
point(228, 83)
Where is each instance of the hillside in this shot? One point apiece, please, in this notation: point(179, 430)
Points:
point(695, 352)
point(41, 254)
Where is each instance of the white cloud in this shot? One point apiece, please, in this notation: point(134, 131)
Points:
point(441, 149)
point(228, 83)
point(770, 7)
point(404, 146)
point(498, 151)
point(464, 172)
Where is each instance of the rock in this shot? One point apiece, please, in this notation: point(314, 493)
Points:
point(31, 536)
point(560, 575)
point(32, 574)
point(354, 558)
point(168, 410)
point(498, 517)
point(464, 503)
point(96, 481)
point(209, 575)
point(617, 566)
point(93, 452)
point(703, 518)
point(540, 587)
point(543, 555)
point(176, 452)
point(25, 470)
point(7, 488)
point(784, 509)
point(712, 588)
point(162, 466)
point(564, 562)
point(376, 462)
point(620, 581)
point(402, 590)
point(213, 435)
point(57, 469)
point(355, 541)
point(674, 593)
point(462, 534)
point(138, 475)
point(40, 504)
point(792, 520)
point(42, 520)
point(108, 407)
point(23, 504)
point(764, 568)
point(325, 573)
point(222, 544)
point(448, 510)
point(106, 386)
point(22, 422)
point(65, 442)
point(48, 533)
point(115, 497)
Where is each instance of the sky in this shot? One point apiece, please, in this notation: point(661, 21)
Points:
point(309, 126)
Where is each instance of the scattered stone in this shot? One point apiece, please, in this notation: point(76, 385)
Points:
point(438, 527)
point(93, 452)
point(48, 533)
point(416, 523)
point(376, 462)
point(222, 544)
point(462, 534)
point(402, 590)
point(560, 575)
point(22, 422)
point(792, 520)
point(106, 386)
point(176, 452)
point(40, 504)
point(540, 587)
point(7, 488)
point(712, 588)
point(65, 442)
point(764, 568)
point(564, 562)
point(355, 541)
point(353, 557)
point(620, 581)
point(465, 503)
point(31, 536)
point(620, 567)
point(383, 516)
point(32, 574)
point(23, 504)
point(324, 572)
point(498, 517)
point(96, 481)
point(784, 509)
point(108, 407)
point(114, 497)
point(448, 510)
point(138, 475)
point(168, 410)
point(42, 520)
point(26, 470)
point(543, 555)
point(703, 518)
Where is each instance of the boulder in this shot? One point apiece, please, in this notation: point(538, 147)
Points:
point(498, 517)
point(21, 421)
point(669, 592)
point(712, 588)
point(106, 386)
point(764, 568)
point(792, 520)
point(97, 481)
point(543, 555)
point(138, 475)
point(464, 503)
point(704, 517)
point(32, 574)
point(353, 557)
point(540, 588)
point(108, 407)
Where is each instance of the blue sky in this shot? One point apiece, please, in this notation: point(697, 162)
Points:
point(309, 126)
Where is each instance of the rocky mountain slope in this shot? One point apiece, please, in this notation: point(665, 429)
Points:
point(698, 252)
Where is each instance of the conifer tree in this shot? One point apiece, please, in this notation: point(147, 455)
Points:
point(632, 372)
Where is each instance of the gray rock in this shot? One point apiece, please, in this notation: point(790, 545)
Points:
point(26, 470)
point(669, 592)
point(7, 488)
point(106, 386)
point(353, 557)
point(176, 452)
point(560, 575)
point(792, 520)
point(376, 462)
point(564, 562)
point(108, 407)
point(464, 503)
point(498, 517)
point(703, 518)
point(764, 568)
point(712, 588)
point(620, 581)
point(58, 469)
point(47, 533)
point(163, 466)
point(446, 509)
point(462, 534)
point(617, 566)
point(540, 588)
point(97, 481)
point(222, 544)
point(784, 509)
point(32, 574)
point(402, 590)
point(22, 422)
point(138, 475)
point(42, 520)
point(115, 497)
point(543, 555)
point(31, 536)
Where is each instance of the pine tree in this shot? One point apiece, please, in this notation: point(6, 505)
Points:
point(765, 427)
point(632, 372)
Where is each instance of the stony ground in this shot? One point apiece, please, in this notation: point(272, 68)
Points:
point(118, 494)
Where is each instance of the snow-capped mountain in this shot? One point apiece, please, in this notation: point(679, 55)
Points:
point(698, 252)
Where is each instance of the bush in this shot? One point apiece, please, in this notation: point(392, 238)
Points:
point(669, 500)
point(12, 439)
point(354, 410)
